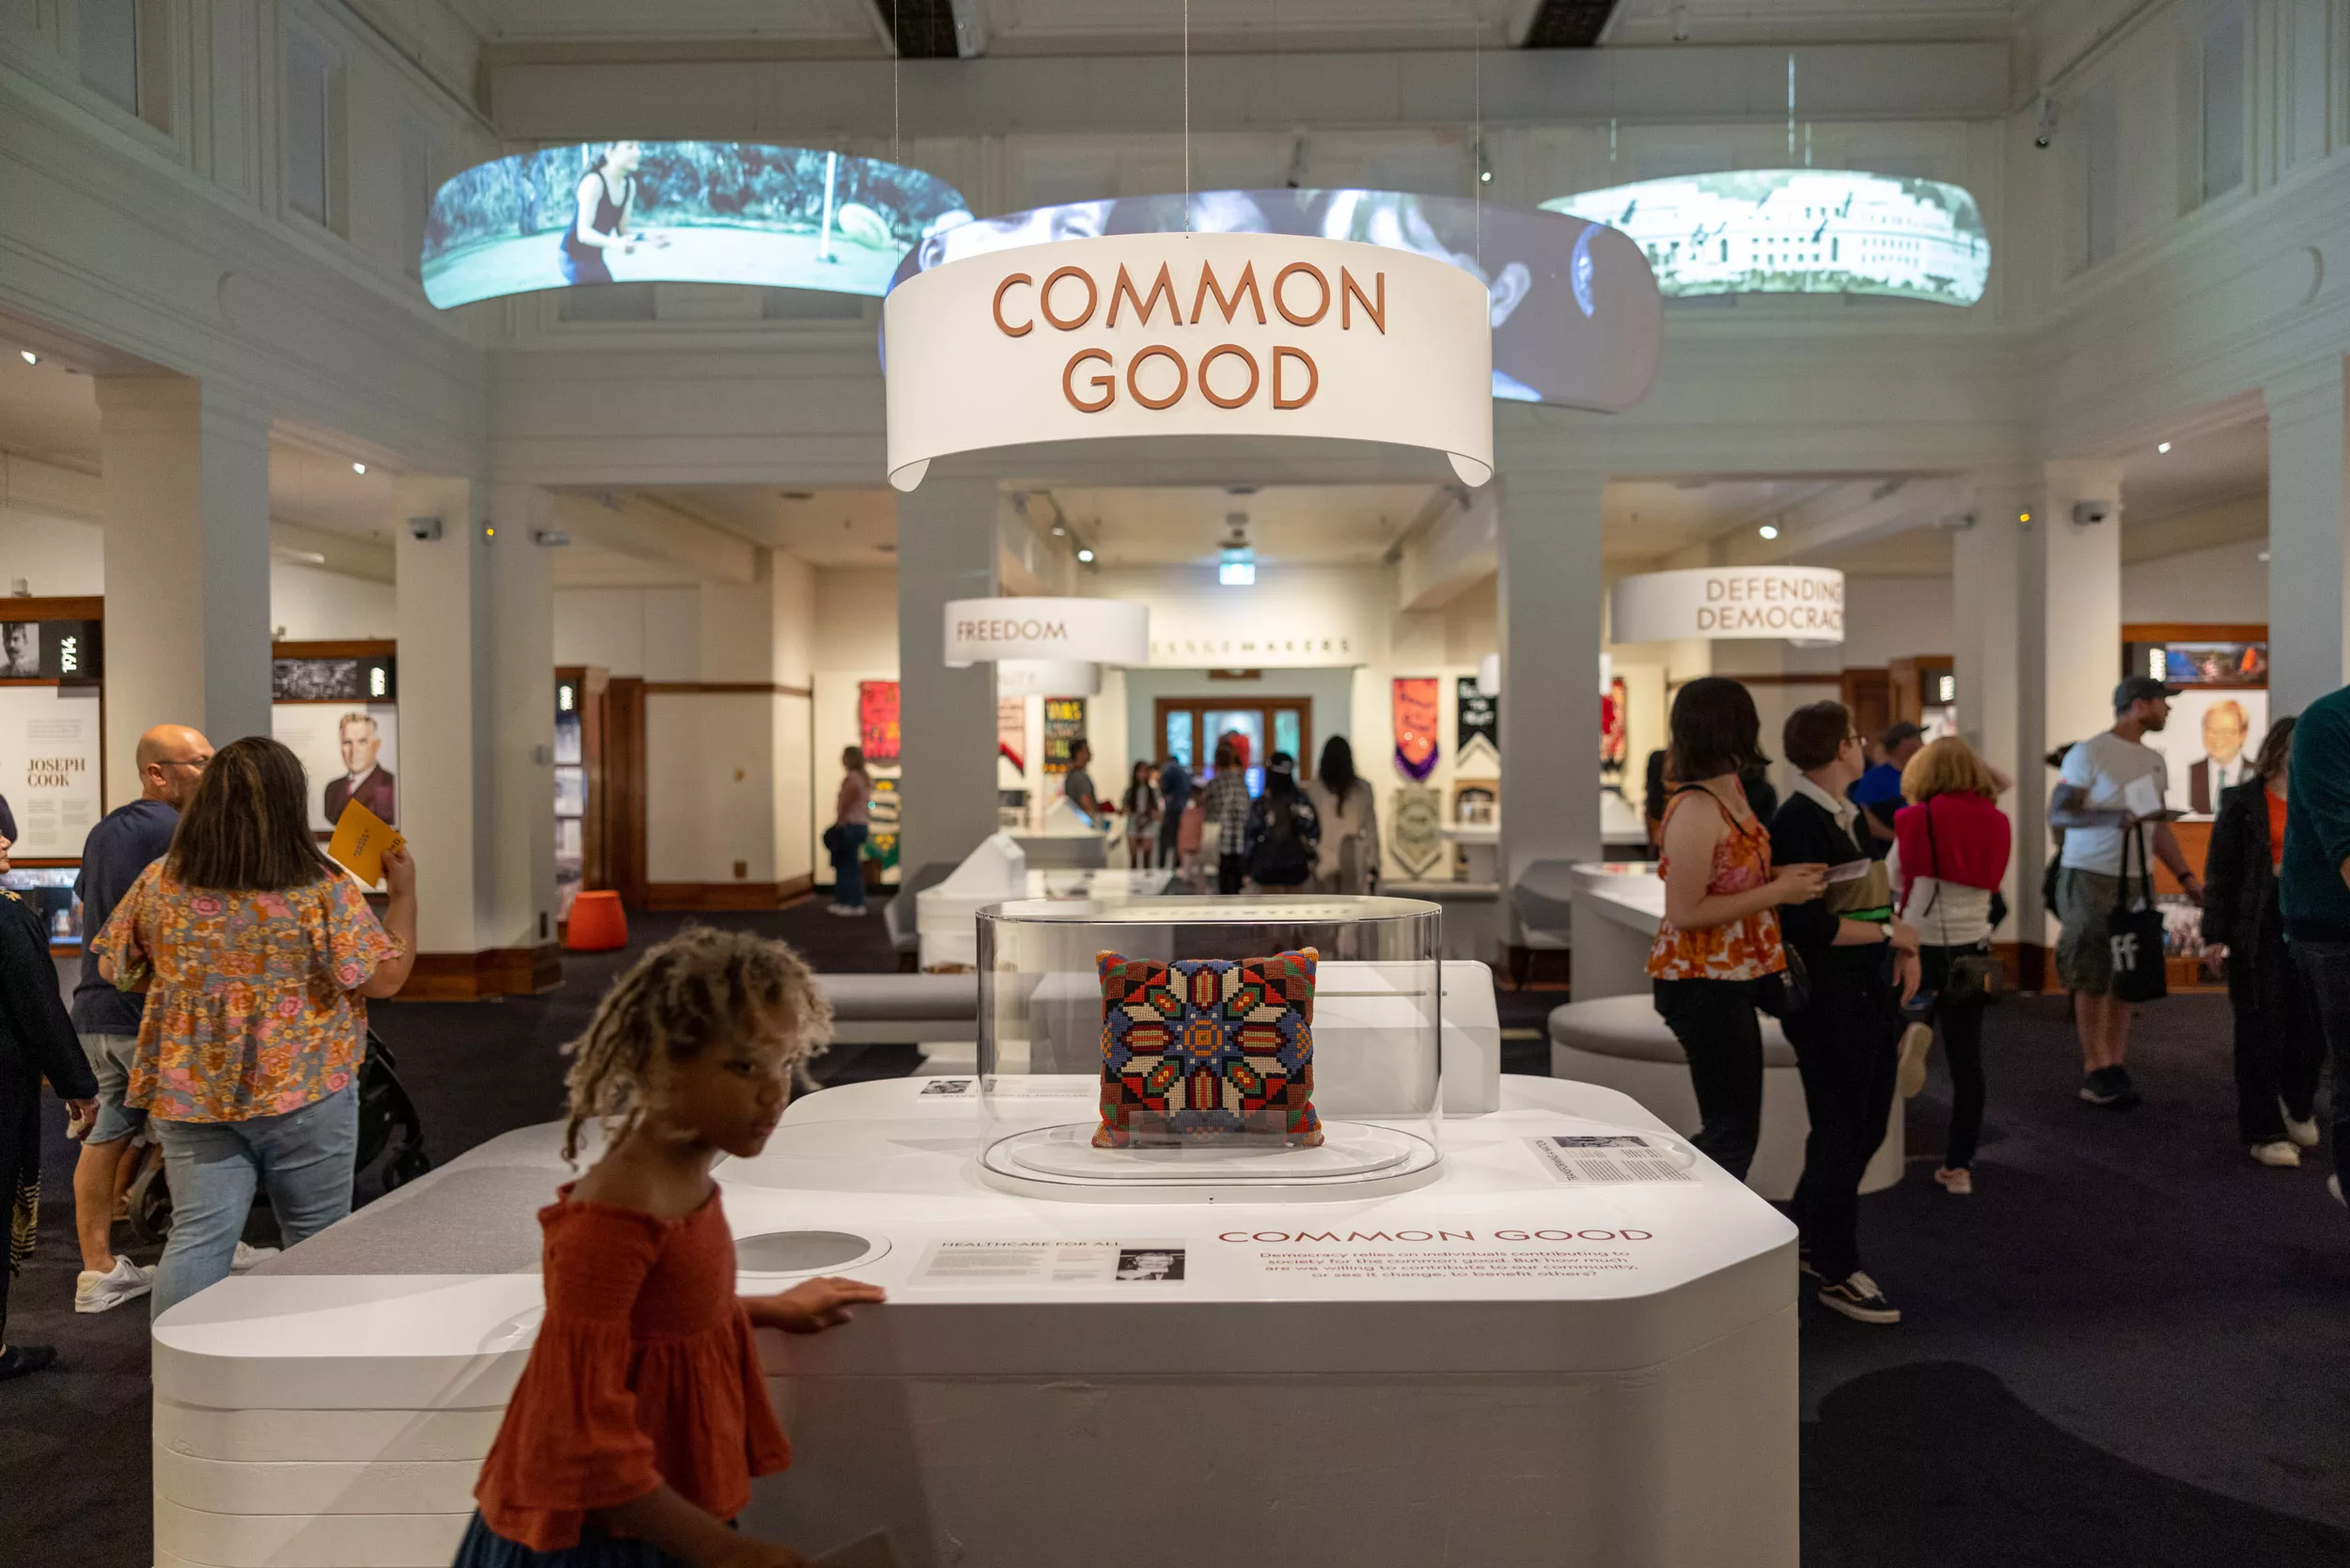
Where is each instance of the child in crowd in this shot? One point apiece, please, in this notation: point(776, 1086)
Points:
point(633, 1436)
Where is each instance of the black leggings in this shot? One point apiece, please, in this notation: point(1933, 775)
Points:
point(1845, 1047)
point(2279, 1048)
point(1961, 1047)
point(1720, 1033)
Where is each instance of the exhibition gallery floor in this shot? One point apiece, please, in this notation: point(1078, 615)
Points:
point(2128, 1347)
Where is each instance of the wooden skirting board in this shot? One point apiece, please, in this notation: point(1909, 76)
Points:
point(728, 895)
point(471, 977)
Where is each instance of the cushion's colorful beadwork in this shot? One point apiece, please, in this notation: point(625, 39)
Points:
point(1207, 1048)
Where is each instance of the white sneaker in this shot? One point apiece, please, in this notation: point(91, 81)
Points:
point(1916, 1040)
point(2302, 1131)
point(2279, 1153)
point(248, 1256)
point(94, 1291)
point(854, 911)
point(2333, 1190)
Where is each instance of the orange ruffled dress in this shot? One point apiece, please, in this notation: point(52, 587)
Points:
point(644, 1372)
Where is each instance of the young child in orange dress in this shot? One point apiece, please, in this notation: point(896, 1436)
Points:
point(633, 1436)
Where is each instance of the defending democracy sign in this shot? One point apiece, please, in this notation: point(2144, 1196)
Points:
point(1801, 603)
point(1092, 631)
point(1139, 335)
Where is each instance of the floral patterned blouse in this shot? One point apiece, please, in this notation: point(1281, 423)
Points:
point(250, 1009)
point(1744, 949)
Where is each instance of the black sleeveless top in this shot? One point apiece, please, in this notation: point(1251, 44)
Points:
point(607, 219)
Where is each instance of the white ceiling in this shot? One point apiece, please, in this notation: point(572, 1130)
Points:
point(1719, 22)
point(833, 527)
point(1644, 518)
point(1288, 524)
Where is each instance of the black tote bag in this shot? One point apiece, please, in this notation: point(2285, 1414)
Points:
point(2133, 934)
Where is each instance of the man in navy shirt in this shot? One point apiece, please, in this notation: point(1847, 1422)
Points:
point(1174, 794)
point(1879, 792)
point(127, 841)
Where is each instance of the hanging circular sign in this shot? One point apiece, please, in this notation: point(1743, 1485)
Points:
point(1088, 631)
point(1801, 603)
point(1047, 678)
point(1194, 335)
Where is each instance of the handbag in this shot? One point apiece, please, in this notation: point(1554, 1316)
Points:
point(1784, 994)
point(2134, 936)
point(1974, 975)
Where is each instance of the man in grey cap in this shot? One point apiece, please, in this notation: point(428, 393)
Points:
point(2112, 788)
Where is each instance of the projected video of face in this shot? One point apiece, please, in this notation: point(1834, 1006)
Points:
point(1574, 311)
point(785, 217)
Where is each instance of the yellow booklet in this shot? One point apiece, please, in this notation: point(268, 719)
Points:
point(361, 841)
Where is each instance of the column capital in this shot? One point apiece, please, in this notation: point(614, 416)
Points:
point(2307, 391)
point(141, 405)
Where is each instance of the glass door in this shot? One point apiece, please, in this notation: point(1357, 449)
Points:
point(1189, 728)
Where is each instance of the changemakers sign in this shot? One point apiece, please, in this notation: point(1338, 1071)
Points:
point(1800, 603)
point(1090, 631)
point(1197, 334)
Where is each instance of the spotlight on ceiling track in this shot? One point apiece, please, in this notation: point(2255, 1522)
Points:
point(1085, 557)
point(28, 356)
point(1768, 530)
point(1484, 164)
point(358, 467)
point(2162, 445)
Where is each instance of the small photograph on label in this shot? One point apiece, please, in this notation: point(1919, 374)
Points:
point(1148, 1266)
point(947, 1085)
point(1613, 1141)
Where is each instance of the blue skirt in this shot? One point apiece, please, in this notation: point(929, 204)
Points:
point(485, 1548)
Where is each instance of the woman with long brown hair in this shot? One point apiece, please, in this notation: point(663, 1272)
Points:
point(256, 954)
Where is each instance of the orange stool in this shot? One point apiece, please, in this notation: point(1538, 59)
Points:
point(598, 923)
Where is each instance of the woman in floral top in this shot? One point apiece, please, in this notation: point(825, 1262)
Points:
point(255, 952)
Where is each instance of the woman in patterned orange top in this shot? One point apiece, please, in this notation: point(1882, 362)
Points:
point(256, 955)
point(1719, 939)
point(632, 1439)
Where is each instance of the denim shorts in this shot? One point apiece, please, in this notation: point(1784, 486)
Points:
point(110, 1059)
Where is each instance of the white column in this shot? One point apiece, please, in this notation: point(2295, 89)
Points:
point(945, 551)
point(1991, 660)
point(446, 788)
point(2308, 561)
point(186, 491)
point(1550, 646)
point(519, 911)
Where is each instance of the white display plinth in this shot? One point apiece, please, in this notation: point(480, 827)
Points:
point(997, 872)
point(1579, 1355)
point(1480, 850)
point(1617, 908)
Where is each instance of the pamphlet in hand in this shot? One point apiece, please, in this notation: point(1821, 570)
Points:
point(361, 841)
point(1851, 871)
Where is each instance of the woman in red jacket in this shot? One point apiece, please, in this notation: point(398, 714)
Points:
point(1950, 852)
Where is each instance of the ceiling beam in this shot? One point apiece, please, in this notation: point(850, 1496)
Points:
point(1460, 550)
point(1850, 514)
point(631, 524)
point(571, 100)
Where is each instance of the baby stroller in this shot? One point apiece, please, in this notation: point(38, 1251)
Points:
point(391, 1135)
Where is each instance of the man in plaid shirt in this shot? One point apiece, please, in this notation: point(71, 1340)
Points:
point(1225, 803)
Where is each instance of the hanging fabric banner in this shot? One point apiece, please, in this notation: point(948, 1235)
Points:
point(1476, 718)
point(877, 721)
point(1416, 748)
point(1615, 735)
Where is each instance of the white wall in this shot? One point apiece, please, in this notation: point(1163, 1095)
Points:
point(856, 620)
point(307, 605)
point(54, 556)
point(651, 633)
point(2226, 583)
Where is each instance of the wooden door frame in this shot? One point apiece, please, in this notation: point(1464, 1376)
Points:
point(624, 780)
point(1204, 750)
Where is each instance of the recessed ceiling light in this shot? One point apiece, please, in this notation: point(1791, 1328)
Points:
point(1060, 529)
point(2162, 445)
point(28, 356)
point(1768, 530)
point(358, 467)
point(1086, 555)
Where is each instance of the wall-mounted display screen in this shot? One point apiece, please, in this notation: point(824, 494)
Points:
point(1577, 318)
point(785, 217)
point(1800, 231)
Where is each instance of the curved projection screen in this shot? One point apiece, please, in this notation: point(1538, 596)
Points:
point(1800, 231)
point(787, 217)
point(1577, 318)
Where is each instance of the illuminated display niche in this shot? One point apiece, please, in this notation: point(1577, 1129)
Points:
point(1799, 231)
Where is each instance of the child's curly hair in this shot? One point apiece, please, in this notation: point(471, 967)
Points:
point(698, 988)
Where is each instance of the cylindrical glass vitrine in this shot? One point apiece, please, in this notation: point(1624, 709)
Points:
point(1265, 1045)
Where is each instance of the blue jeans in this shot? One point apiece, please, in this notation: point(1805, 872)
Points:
point(305, 1158)
point(846, 841)
point(2326, 967)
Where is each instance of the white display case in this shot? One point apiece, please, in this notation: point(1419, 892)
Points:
point(1222, 1061)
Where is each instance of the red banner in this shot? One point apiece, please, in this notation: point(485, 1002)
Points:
point(877, 721)
point(1416, 726)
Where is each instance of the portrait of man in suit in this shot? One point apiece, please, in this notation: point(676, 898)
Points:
point(2223, 765)
point(361, 740)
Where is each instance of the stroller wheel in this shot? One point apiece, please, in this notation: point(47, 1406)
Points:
point(149, 1200)
point(406, 1166)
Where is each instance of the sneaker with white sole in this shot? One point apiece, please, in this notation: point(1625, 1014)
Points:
point(247, 1255)
point(1916, 1040)
point(1858, 1298)
point(94, 1291)
point(1959, 1183)
point(2279, 1153)
point(2300, 1129)
point(2333, 1190)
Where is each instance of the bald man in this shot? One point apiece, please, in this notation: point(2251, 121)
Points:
point(171, 757)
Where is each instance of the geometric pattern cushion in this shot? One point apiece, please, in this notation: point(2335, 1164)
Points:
point(1204, 1049)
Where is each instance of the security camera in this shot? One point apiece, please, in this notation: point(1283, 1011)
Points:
point(549, 537)
point(424, 530)
point(1955, 523)
point(2086, 513)
point(2045, 132)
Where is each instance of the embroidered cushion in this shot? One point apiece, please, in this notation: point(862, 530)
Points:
point(1202, 1049)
